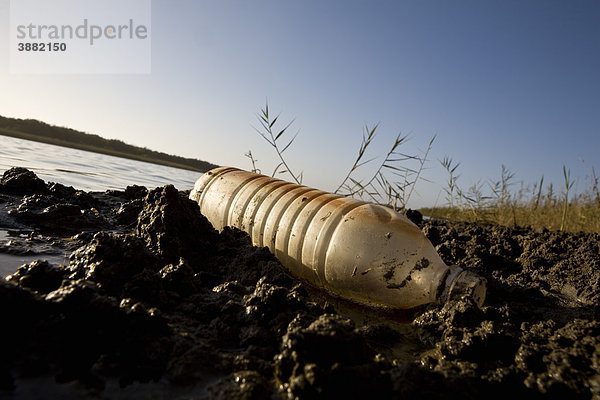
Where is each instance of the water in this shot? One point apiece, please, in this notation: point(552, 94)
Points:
point(83, 170)
point(86, 170)
point(10, 262)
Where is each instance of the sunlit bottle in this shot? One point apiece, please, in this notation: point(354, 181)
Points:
point(364, 252)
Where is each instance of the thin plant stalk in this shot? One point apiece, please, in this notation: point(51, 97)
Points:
point(253, 160)
point(568, 185)
point(368, 137)
point(539, 193)
point(422, 162)
point(272, 138)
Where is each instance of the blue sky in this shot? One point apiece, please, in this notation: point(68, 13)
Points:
point(498, 82)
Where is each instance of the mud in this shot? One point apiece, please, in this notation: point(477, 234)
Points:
point(154, 303)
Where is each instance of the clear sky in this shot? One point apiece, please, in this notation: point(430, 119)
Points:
point(499, 82)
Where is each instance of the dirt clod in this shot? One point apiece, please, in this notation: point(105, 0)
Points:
point(153, 298)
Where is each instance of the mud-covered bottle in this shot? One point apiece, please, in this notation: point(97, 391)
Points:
point(364, 252)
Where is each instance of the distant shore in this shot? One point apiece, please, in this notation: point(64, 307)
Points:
point(41, 132)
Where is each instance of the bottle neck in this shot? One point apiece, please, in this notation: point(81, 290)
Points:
point(460, 283)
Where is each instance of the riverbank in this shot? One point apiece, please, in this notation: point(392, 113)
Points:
point(41, 132)
point(154, 303)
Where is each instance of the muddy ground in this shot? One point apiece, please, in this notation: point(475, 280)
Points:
point(154, 303)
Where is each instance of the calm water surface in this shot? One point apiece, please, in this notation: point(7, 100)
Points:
point(88, 171)
point(82, 170)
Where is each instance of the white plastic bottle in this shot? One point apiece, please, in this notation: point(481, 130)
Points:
point(364, 252)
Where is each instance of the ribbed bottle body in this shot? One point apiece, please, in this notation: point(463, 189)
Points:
point(364, 252)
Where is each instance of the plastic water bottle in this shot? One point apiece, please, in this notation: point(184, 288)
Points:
point(364, 252)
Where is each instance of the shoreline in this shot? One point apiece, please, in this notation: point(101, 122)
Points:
point(95, 149)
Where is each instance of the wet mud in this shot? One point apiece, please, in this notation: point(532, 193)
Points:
point(154, 303)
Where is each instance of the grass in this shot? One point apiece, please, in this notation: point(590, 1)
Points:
point(491, 202)
point(536, 206)
point(579, 217)
point(393, 182)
